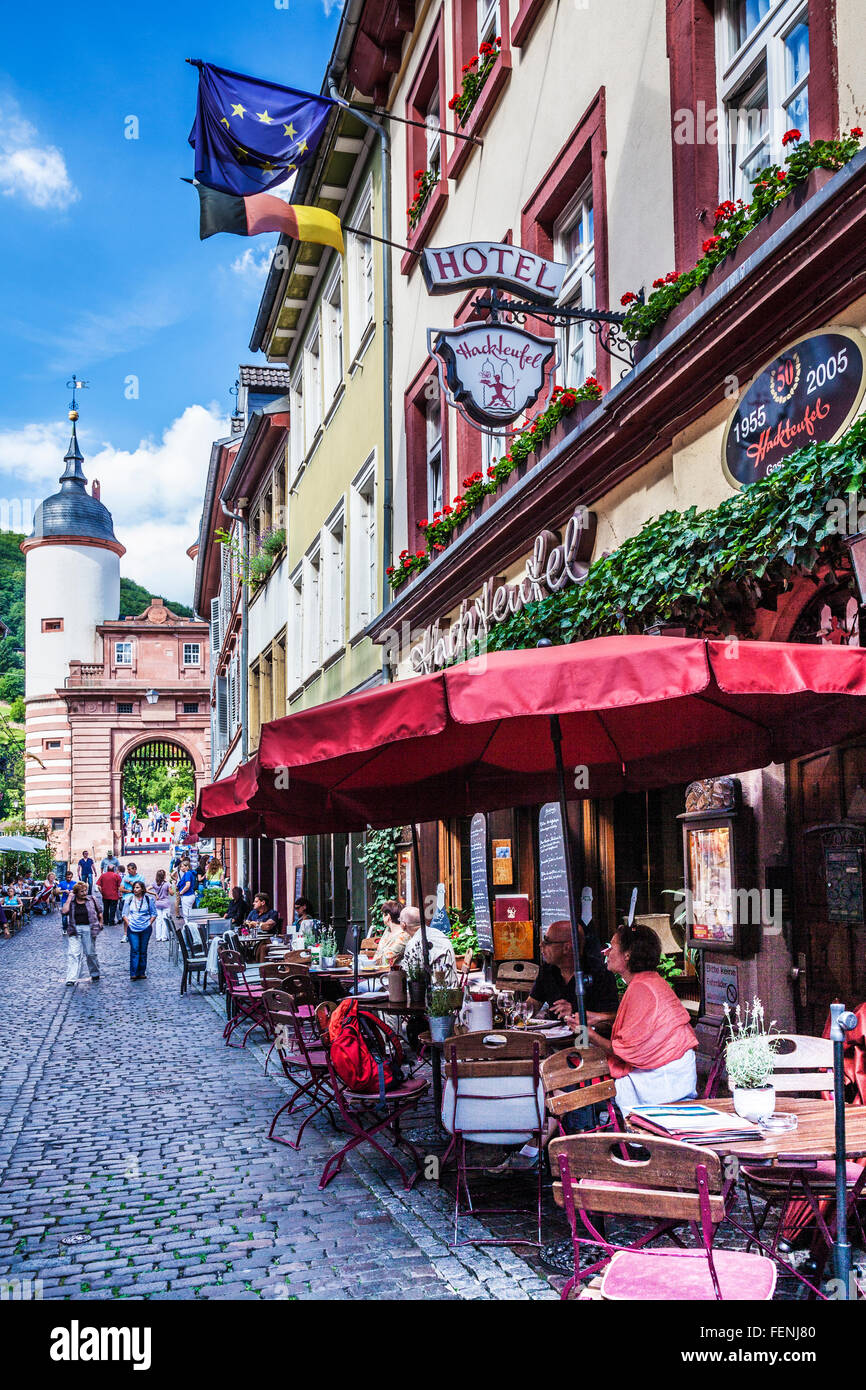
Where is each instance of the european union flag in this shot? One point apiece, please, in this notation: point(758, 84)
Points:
point(249, 135)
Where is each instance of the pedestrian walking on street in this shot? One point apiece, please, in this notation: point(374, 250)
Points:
point(86, 869)
point(108, 884)
point(162, 902)
point(130, 878)
point(84, 925)
point(187, 886)
point(139, 915)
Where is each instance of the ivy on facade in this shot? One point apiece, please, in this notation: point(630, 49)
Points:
point(379, 857)
point(708, 571)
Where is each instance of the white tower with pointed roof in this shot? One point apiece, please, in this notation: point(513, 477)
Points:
point(72, 585)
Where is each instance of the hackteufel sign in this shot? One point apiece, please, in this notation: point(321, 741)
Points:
point(491, 372)
point(449, 268)
point(553, 565)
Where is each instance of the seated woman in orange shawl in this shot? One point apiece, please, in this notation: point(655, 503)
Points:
point(652, 1045)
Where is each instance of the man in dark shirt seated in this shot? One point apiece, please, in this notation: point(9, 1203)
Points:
point(263, 917)
point(555, 984)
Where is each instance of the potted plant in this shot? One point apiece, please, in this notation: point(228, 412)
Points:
point(441, 1012)
point(464, 937)
point(329, 949)
point(417, 982)
point(749, 1058)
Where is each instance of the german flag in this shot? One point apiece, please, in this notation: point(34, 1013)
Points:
point(262, 212)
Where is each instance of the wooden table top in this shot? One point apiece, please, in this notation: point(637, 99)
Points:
point(814, 1136)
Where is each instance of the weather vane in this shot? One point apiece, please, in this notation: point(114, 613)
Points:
point(75, 384)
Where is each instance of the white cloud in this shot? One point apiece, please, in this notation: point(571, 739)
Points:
point(253, 265)
point(154, 492)
point(329, 6)
point(29, 168)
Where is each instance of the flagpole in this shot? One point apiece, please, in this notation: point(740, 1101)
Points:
point(386, 241)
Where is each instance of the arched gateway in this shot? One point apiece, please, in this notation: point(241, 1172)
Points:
point(157, 795)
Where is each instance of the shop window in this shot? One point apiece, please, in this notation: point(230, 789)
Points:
point(764, 86)
point(566, 219)
point(426, 184)
point(574, 245)
point(648, 853)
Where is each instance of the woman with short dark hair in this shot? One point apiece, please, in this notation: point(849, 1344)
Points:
point(652, 1044)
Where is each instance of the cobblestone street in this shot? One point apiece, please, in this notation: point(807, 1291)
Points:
point(134, 1161)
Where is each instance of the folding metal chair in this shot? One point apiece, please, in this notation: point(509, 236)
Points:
point(303, 1061)
point(366, 1116)
point(245, 998)
point(194, 961)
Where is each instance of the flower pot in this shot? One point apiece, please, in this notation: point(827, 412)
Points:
point(754, 1103)
point(417, 991)
point(441, 1027)
point(328, 962)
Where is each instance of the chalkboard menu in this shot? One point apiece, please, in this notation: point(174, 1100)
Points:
point(480, 888)
point(553, 877)
point(811, 392)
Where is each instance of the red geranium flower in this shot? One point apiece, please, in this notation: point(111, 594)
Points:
point(857, 130)
point(657, 284)
point(447, 510)
point(419, 554)
point(490, 472)
point(422, 525)
point(781, 176)
point(402, 553)
point(711, 243)
point(591, 381)
point(390, 569)
point(724, 210)
point(436, 516)
point(419, 174)
point(485, 48)
point(438, 547)
point(790, 136)
point(628, 298)
point(454, 103)
point(672, 277)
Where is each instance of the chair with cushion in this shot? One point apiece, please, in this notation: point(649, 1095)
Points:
point(671, 1186)
point(802, 1065)
point(194, 961)
point(493, 1094)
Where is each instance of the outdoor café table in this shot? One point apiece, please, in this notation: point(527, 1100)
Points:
point(814, 1136)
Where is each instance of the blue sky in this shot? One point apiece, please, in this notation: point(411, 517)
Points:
point(102, 269)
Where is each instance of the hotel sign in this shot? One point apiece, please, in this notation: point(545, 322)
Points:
point(491, 372)
point(553, 565)
point(494, 263)
point(809, 394)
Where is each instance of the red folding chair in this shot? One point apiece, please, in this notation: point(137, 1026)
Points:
point(673, 1185)
point(303, 1061)
point(245, 997)
point(366, 1116)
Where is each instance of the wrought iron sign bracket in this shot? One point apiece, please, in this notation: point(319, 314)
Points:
point(603, 323)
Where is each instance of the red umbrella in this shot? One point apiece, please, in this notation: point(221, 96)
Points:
point(636, 712)
point(620, 713)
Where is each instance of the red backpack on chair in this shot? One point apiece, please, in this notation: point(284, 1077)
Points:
point(366, 1054)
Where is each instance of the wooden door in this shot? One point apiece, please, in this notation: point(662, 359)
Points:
point(828, 811)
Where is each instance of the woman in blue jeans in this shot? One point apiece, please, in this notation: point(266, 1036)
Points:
point(139, 915)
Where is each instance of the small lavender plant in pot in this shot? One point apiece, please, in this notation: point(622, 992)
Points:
point(749, 1058)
